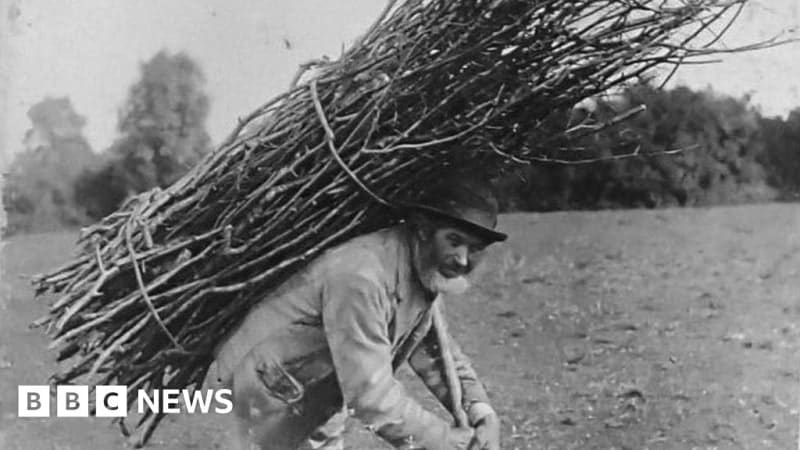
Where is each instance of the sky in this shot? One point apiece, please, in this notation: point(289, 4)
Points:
point(91, 50)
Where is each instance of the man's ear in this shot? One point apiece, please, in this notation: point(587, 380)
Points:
point(421, 226)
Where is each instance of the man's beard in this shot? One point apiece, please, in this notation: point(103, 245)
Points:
point(430, 276)
point(439, 283)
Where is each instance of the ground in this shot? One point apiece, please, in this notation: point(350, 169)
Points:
point(668, 329)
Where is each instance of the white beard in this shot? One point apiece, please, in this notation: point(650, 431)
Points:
point(448, 286)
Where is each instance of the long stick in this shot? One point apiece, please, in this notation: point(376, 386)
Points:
point(451, 377)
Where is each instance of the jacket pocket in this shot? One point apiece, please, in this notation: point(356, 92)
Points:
point(280, 384)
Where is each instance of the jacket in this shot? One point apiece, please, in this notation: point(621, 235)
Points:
point(356, 313)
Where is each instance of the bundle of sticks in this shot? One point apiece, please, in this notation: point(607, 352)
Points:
point(433, 86)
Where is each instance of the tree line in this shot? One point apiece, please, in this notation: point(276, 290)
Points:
point(730, 153)
point(57, 180)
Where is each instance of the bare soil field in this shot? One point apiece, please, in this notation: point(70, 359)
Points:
point(664, 329)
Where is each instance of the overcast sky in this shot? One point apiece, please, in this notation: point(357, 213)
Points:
point(90, 50)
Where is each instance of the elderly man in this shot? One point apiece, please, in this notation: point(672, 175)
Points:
point(327, 342)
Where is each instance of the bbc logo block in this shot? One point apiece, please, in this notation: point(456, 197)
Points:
point(111, 401)
point(33, 401)
point(72, 401)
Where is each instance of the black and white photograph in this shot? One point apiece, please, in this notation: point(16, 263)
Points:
point(400, 224)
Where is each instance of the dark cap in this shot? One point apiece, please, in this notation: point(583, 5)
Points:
point(466, 202)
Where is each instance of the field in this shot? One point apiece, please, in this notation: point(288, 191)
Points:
point(668, 329)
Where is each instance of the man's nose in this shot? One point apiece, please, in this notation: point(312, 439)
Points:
point(461, 256)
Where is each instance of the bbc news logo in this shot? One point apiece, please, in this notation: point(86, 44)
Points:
point(112, 401)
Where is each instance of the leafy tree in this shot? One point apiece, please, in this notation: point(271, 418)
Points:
point(162, 126)
point(782, 141)
point(38, 189)
point(722, 162)
point(724, 165)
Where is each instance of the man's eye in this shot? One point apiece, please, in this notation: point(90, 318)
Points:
point(455, 241)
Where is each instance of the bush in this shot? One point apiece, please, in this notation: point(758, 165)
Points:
point(38, 190)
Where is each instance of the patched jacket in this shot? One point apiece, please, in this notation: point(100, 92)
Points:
point(357, 313)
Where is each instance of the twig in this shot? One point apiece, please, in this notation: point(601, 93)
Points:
point(143, 289)
point(330, 138)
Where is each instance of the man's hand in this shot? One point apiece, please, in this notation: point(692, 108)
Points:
point(487, 434)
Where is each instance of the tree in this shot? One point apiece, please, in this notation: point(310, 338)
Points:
point(782, 141)
point(38, 190)
point(722, 163)
point(162, 126)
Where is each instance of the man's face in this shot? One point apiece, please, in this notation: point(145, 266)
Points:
point(449, 255)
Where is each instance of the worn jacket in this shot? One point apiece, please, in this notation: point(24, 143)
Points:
point(356, 313)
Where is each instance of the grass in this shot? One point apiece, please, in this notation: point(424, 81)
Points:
point(669, 329)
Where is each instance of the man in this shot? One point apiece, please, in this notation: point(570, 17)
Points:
point(326, 343)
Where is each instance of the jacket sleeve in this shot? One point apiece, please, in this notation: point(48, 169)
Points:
point(355, 318)
point(426, 361)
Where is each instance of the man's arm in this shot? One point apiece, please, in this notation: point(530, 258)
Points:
point(355, 318)
point(427, 363)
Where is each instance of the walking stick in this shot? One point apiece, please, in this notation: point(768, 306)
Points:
point(451, 377)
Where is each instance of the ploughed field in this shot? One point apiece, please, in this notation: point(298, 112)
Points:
point(664, 329)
